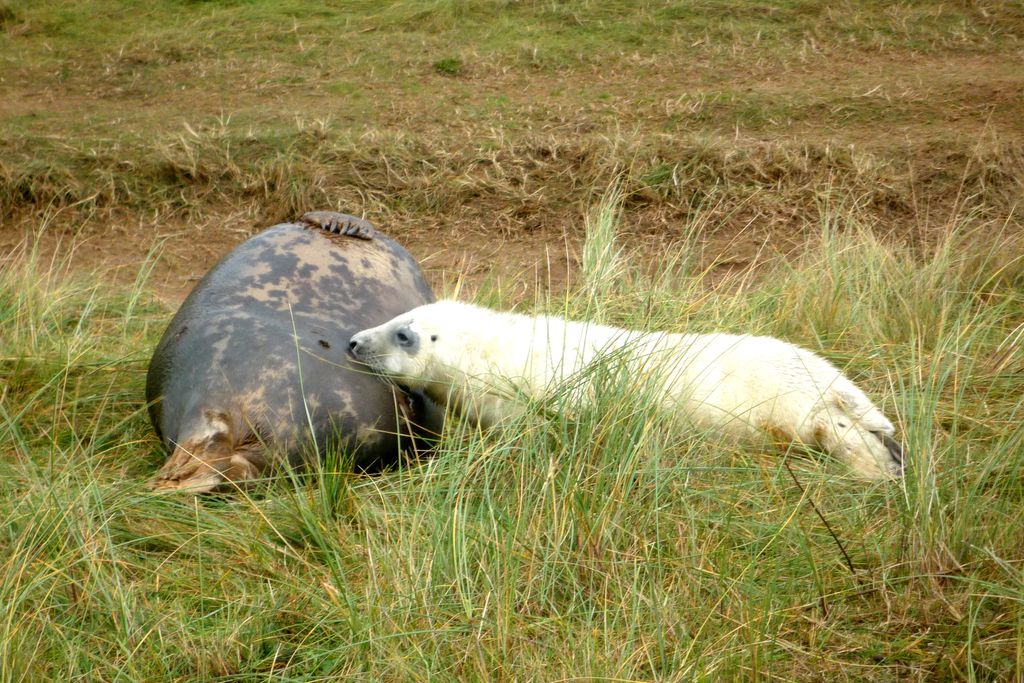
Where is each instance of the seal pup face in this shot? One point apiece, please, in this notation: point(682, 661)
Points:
point(404, 349)
point(455, 353)
point(433, 344)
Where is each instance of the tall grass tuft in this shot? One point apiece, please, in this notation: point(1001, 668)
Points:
point(603, 266)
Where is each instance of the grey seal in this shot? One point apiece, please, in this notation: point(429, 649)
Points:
point(254, 368)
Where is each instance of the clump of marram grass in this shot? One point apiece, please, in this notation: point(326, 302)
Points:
point(449, 66)
point(599, 539)
point(602, 266)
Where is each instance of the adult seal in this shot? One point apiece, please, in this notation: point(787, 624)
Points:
point(253, 367)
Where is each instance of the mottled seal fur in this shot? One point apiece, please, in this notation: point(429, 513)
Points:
point(483, 362)
point(254, 364)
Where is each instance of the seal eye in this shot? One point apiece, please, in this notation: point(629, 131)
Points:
point(407, 339)
point(433, 337)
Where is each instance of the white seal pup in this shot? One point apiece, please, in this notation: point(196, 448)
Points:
point(471, 357)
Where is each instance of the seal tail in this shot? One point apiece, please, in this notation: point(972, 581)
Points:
point(857, 431)
point(211, 459)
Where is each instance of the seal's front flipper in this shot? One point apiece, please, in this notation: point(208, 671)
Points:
point(340, 223)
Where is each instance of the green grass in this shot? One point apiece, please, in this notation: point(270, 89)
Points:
point(603, 542)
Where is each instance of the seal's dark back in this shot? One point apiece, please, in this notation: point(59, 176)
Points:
point(260, 345)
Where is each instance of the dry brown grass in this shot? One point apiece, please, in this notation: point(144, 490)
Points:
point(213, 121)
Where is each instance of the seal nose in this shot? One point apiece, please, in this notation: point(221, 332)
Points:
point(352, 345)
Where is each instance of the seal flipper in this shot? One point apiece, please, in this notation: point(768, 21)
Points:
point(894, 447)
point(340, 223)
point(422, 417)
point(211, 458)
point(853, 429)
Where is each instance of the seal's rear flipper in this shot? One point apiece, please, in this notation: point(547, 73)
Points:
point(193, 471)
point(894, 447)
point(211, 461)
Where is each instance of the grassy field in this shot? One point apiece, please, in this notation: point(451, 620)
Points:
point(846, 176)
point(478, 131)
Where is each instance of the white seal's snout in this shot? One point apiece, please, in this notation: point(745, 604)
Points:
point(354, 345)
point(382, 341)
